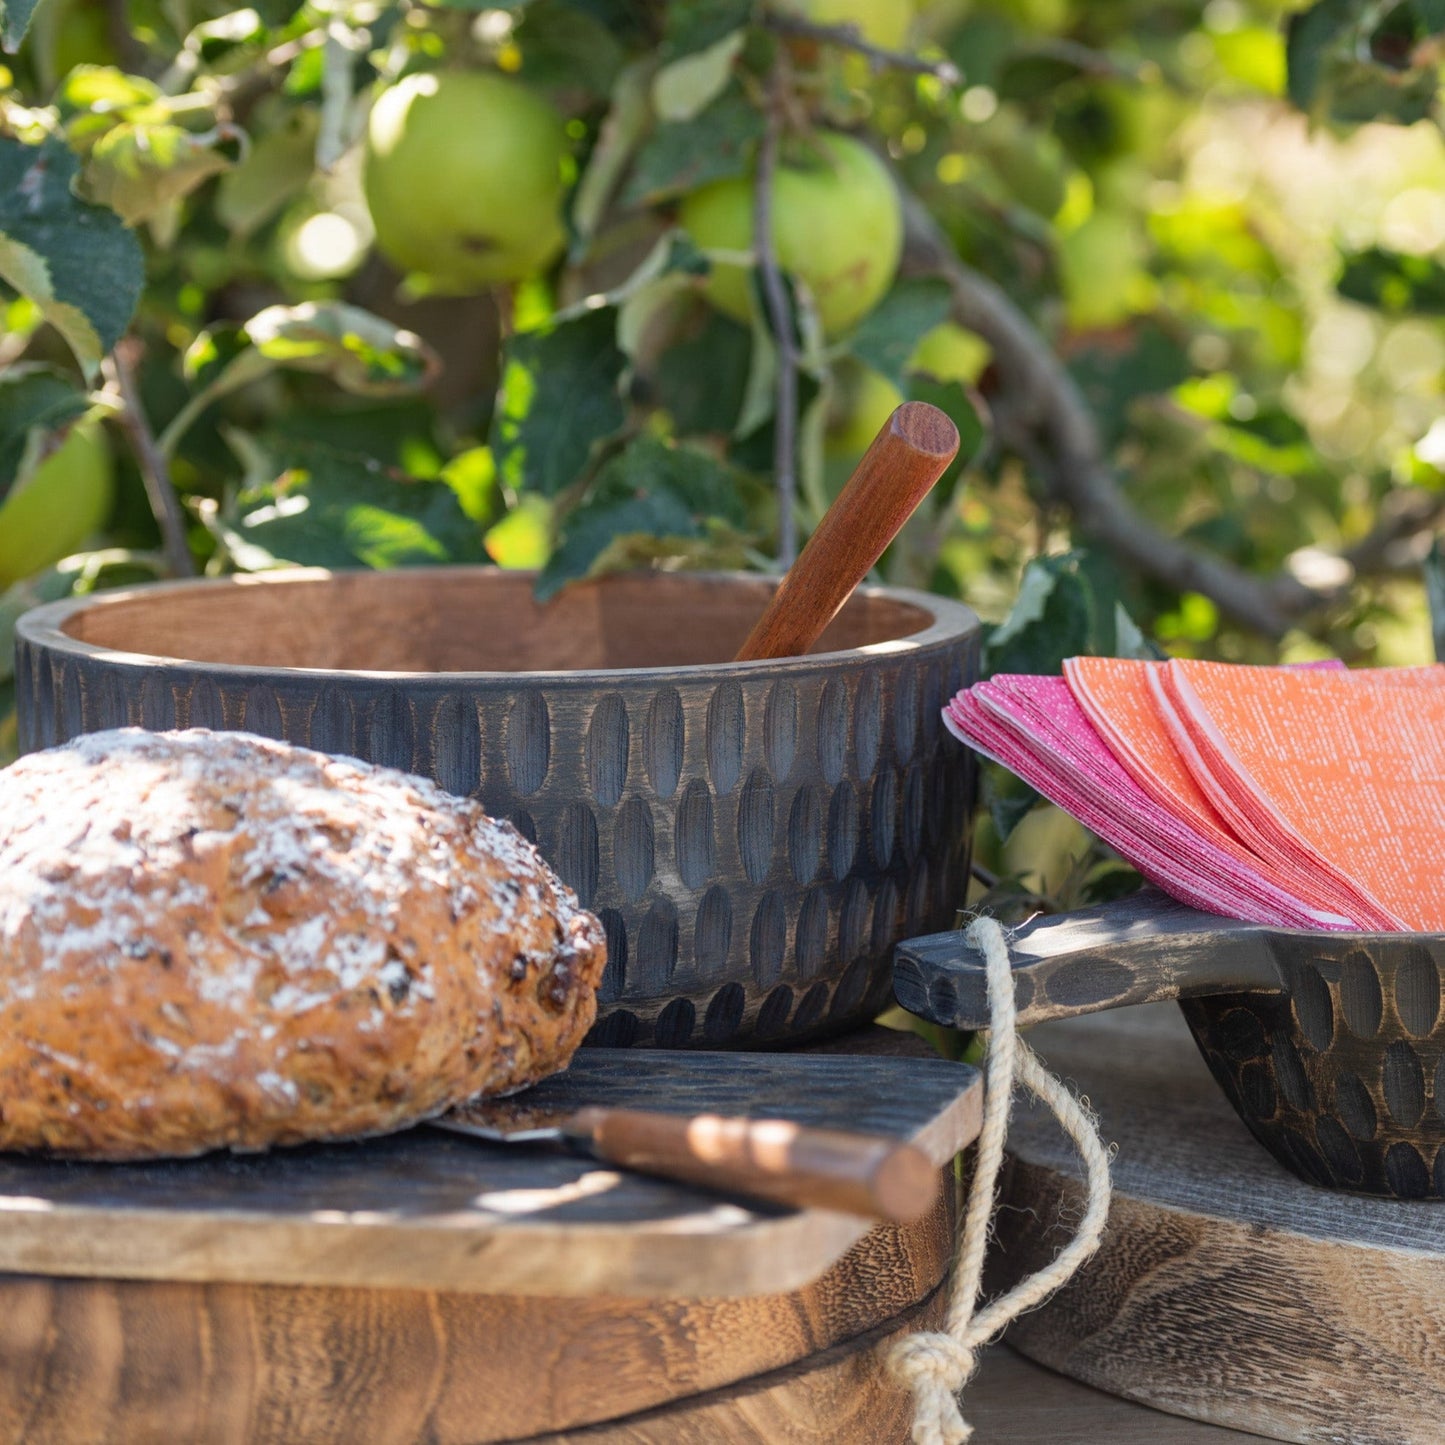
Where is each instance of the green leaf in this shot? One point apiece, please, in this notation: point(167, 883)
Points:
point(687, 86)
point(1008, 798)
point(1434, 570)
point(563, 46)
point(889, 334)
point(1393, 282)
point(329, 508)
point(693, 25)
point(1051, 619)
point(14, 21)
point(278, 167)
point(140, 171)
point(37, 407)
point(1310, 37)
point(621, 131)
point(649, 489)
point(702, 379)
point(560, 396)
point(683, 155)
point(75, 261)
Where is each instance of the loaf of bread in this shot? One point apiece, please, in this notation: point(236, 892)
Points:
point(212, 940)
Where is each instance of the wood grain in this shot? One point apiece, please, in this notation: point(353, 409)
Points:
point(894, 475)
point(434, 1210)
point(139, 1363)
point(1225, 1289)
point(755, 837)
point(839, 1395)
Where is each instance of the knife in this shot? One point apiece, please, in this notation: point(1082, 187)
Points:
point(769, 1159)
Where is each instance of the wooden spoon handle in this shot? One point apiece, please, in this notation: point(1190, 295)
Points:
point(768, 1159)
point(907, 457)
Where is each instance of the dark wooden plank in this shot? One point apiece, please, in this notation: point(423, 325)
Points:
point(1225, 1289)
point(1133, 950)
point(432, 1210)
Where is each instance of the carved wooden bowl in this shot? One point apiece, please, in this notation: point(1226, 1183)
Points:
point(1331, 1046)
point(756, 837)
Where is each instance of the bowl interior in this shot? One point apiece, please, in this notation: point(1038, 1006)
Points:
point(464, 620)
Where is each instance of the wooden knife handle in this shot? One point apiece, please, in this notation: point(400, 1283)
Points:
point(768, 1159)
point(907, 457)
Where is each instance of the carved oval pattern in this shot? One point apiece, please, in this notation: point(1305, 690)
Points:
point(713, 931)
point(805, 834)
point(662, 739)
point(725, 719)
point(1403, 1080)
point(456, 745)
point(391, 731)
point(208, 708)
point(912, 834)
point(633, 848)
point(1310, 995)
point(780, 730)
point(768, 939)
point(693, 835)
point(1417, 991)
point(607, 742)
point(333, 723)
point(833, 729)
point(882, 815)
point(867, 724)
point(158, 708)
point(675, 1024)
point(1361, 1001)
point(1355, 1106)
point(529, 742)
point(773, 1016)
point(842, 830)
point(811, 941)
point(577, 852)
point(654, 957)
point(905, 710)
point(755, 825)
point(724, 1014)
point(614, 977)
point(853, 920)
point(260, 713)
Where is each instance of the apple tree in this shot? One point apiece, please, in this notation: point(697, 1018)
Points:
point(589, 284)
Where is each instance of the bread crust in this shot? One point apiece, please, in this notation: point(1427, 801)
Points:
point(213, 940)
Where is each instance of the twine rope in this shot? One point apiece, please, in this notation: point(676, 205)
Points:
point(936, 1364)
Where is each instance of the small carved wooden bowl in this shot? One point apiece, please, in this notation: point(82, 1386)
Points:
point(755, 836)
point(1331, 1046)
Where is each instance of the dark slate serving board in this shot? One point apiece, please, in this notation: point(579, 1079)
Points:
point(429, 1209)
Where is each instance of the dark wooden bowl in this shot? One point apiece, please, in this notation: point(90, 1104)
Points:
point(1331, 1046)
point(755, 836)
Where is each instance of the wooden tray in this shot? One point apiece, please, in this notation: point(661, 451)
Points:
point(433, 1288)
point(1225, 1290)
point(432, 1210)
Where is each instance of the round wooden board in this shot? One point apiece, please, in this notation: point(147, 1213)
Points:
point(146, 1362)
point(1225, 1290)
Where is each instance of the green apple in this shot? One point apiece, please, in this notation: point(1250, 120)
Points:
point(463, 178)
point(63, 501)
point(949, 353)
point(837, 226)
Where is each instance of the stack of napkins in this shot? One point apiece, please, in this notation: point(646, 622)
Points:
point(1305, 797)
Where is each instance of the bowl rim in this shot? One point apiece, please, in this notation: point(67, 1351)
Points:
point(43, 627)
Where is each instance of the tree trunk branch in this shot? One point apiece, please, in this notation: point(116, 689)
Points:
point(155, 473)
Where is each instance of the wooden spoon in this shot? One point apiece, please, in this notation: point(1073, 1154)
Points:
point(907, 457)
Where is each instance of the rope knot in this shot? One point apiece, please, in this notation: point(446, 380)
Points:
point(935, 1367)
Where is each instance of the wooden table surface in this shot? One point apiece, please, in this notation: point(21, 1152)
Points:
point(1012, 1401)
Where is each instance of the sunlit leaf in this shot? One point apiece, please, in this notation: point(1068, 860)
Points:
point(37, 407)
point(328, 508)
point(560, 398)
point(76, 261)
point(683, 155)
point(888, 336)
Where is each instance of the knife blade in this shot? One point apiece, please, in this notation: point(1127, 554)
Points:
point(771, 1159)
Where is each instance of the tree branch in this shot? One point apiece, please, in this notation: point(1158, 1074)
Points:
point(1040, 414)
point(780, 321)
point(849, 37)
point(120, 372)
